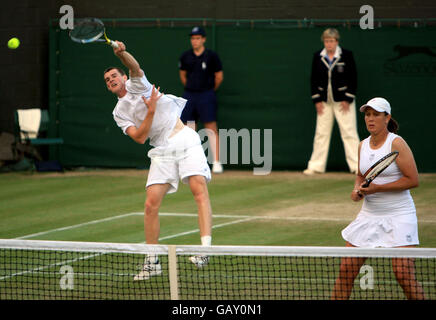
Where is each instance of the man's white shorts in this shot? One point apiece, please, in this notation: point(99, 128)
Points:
point(181, 158)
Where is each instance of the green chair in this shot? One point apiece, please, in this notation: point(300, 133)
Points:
point(27, 142)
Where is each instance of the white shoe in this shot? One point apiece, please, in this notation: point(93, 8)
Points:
point(199, 261)
point(309, 172)
point(217, 167)
point(149, 270)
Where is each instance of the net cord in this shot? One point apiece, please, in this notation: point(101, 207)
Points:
point(73, 246)
point(141, 248)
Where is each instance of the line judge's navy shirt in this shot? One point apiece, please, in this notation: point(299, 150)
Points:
point(200, 70)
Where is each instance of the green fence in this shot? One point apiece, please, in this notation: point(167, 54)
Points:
point(266, 84)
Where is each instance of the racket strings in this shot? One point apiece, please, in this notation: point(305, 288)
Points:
point(87, 32)
point(381, 166)
point(87, 29)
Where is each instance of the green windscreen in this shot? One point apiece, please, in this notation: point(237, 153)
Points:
point(266, 86)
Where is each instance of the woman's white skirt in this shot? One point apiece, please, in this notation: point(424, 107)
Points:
point(372, 231)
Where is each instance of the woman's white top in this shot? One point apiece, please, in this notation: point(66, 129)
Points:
point(384, 203)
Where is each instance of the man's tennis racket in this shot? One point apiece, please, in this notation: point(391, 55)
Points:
point(89, 30)
point(379, 167)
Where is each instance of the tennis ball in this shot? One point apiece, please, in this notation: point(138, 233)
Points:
point(13, 43)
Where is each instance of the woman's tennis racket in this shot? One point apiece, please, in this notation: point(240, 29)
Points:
point(379, 167)
point(89, 30)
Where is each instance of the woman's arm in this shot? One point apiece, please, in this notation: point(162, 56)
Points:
point(128, 60)
point(355, 195)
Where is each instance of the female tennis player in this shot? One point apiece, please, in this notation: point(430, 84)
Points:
point(143, 113)
point(388, 215)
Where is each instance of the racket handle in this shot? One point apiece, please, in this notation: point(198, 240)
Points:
point(366, 184)
point(113, 44)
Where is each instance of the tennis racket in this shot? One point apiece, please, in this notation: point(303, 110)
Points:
point(379, 167)
point(88, 30)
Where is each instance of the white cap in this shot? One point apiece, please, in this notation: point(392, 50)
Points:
point(378, 104)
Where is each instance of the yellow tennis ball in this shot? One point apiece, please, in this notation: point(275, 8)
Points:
point(13, 43)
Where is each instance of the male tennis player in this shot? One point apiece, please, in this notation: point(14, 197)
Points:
point(142, 113)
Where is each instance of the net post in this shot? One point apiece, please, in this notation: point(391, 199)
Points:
point(172, 271)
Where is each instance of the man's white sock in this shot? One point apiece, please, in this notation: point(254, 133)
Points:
point(206, 241)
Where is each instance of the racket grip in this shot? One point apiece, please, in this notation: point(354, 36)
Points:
point(113, 44)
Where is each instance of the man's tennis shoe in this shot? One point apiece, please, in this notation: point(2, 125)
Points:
point(149, 270)
point(199, 261)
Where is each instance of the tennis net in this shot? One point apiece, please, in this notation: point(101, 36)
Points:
point(36, 270)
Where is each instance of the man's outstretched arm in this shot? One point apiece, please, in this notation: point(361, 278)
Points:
point(128, 60)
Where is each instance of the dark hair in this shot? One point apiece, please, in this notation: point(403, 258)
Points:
point(393, 125)
point(121, 71)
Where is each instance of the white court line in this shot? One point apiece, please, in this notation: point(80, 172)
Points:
point(174, 214)
point(78, 225)
point(166, 214)
point(213, 227)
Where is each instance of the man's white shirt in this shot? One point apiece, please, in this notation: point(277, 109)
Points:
point(131, 110)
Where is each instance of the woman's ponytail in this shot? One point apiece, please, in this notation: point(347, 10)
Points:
point(393, 125)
